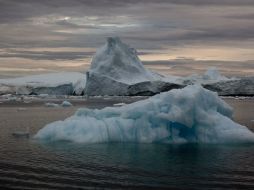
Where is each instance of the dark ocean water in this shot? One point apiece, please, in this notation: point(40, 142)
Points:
point(27, 164)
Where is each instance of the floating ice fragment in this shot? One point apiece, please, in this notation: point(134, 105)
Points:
point(119, 104)
point(66, 104)
point(52, 105)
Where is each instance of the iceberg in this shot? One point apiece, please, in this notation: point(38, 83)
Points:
point(235, 87)
point(212, 75)
point(66, 104)
point(120, 62)
point(117, 70)
point(62, 83)
point(189, 115)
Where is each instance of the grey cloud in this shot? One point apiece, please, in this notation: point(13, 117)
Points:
point(16, 10)
point(190, 66)
point(158, 24)
point(249, 16)
point(46, 55)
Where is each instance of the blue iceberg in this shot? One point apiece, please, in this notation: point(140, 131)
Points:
point(189, 115)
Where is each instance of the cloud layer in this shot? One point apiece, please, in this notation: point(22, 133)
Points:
point(161, 29)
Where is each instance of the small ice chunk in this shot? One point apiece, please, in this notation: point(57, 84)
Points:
point(119, 104)
point(43, 95)
point(52, 105)
point(66, 104)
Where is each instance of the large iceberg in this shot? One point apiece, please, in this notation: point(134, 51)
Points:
point(120, 62)
point(192, 114)
point(117, 70)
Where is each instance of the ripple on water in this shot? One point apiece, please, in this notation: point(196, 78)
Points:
point(77, 166)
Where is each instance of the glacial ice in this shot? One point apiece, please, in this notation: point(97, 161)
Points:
point(212, 75)
point(117, 70)
point(119, 62)
point(192, 114)
point(62, 83)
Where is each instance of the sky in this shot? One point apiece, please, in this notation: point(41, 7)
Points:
point(178, 37)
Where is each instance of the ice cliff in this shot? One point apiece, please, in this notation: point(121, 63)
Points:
point(192, 114)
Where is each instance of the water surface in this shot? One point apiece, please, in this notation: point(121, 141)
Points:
point(28, 164)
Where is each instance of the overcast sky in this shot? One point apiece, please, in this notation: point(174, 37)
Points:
point(171, 36)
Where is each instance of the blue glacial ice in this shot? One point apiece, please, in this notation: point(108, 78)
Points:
point(192, 114)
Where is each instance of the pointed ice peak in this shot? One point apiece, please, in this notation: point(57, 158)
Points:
point(111, 41)
point(120, 62)
point(116, 44)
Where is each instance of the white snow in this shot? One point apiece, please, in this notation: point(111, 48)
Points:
point(191, 114)
point(47, 80)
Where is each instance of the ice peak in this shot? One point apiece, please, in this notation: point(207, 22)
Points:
point(111, 41)
point(120, 62)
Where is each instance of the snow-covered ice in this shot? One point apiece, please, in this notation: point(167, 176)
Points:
point(191, 114)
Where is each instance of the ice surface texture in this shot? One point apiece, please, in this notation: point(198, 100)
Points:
point(117, 70)
point(118, 61)
point(192, 114)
